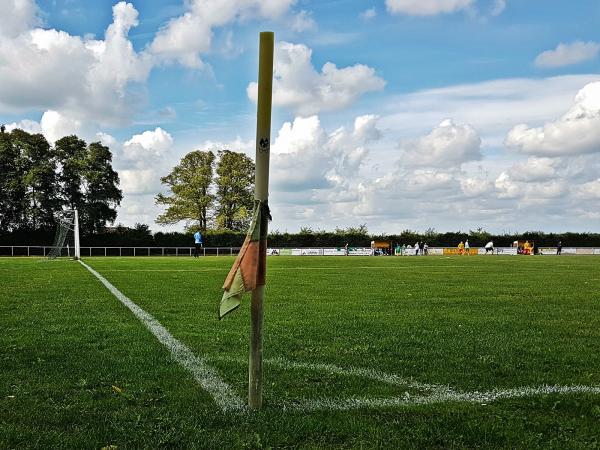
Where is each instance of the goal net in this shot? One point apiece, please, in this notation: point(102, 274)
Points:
point(66, 239)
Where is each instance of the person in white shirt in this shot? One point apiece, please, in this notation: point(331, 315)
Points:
point(467, 247)
point(489, 247)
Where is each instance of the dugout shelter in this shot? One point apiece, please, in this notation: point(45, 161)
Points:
point(381, 247)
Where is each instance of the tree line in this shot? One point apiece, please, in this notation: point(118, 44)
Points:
point(39, 179)
point(142, 236)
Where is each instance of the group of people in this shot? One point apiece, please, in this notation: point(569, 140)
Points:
point(525, 249)
point(464, 248)
point(420, 248)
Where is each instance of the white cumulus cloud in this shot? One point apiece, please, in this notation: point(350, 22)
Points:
point(85, 79)
point(299, 86)
point(426, 7)
point(31, 126)
point(145, 149)
point(306, 157)
point(576, 132)
point(447, 144)
point(139, 181)
point(303, 21)
point(534, 169)
point(590, 190)
point(568, 54)
point(185, 38)
point(475, 187)
point(142, 160)
point(55, 126)
point(17, 17)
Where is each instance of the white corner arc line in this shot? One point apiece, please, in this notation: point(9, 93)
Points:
point(345, 404)
point(208, 378)
point(369, 374)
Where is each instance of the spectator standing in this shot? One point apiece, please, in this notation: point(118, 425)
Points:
point(197, 243)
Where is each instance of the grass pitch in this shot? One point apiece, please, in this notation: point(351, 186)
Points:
point(359, 353)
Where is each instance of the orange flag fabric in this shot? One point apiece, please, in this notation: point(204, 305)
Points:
point(249, 268)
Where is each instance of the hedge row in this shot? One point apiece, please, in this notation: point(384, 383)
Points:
point(141, 236)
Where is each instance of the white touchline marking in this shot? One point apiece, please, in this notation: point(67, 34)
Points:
point(206, 376)
point(341, 404)
point(370, 374)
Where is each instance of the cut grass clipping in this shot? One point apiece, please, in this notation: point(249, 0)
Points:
point(359, 352)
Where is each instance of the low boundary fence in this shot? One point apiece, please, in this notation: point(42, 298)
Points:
point(38, 250)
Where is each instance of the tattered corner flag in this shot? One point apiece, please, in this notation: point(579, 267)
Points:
point(249, 269)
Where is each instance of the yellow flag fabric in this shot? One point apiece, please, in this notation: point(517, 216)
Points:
point(249, 268)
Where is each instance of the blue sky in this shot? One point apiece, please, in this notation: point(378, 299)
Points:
point(450, 114)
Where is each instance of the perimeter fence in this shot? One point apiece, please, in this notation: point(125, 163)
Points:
point(40, 250)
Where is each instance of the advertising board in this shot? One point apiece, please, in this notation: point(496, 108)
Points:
point(334, 252)
point(506, 250)
point(360, 251)
point(307, 251)
point(455, 251)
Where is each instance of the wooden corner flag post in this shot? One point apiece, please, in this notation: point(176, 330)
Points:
point(261, 194)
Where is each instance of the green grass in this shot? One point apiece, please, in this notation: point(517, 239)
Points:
point(475, 324)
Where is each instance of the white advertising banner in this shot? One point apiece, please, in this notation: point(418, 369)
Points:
point(360, 251)
point(334, 252)
point(506, 250)
point(585, 251)
point(307, 251)
point(547, 250)
point(597, 251)
point(569, 251)
point(435, 251)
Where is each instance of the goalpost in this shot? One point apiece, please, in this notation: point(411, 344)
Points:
point(67, 232)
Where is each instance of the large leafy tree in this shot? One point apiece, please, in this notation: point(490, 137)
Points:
point(101, 189)
point(38, 180)
point(37, 161)
point(12, 190)
point(88, 182)
point(72, 158)
point(190, 198)
point(234, 190)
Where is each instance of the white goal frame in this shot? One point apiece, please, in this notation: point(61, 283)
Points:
point(67, 221)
